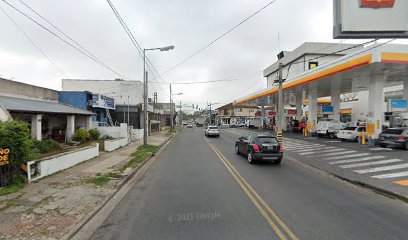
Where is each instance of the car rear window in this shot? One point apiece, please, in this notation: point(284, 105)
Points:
point(393, 131)
point(350, 128)
point(212, 128)
point(262, 140)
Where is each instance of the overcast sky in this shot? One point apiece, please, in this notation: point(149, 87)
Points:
point(186, 24)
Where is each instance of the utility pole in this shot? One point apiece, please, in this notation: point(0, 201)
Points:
point(181, 119)
point(279, 124)
point(171, 111)
point(128, 120)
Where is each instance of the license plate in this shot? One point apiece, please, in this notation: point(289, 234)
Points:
point(270, 147)
point(270, 158)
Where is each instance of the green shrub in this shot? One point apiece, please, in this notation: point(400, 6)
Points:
point(16, 136)
point(46, 146)
point(81, 135)
point(95, 134)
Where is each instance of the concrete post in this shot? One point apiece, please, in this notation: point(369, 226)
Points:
point(376, 103)
point(263, 116)
point(335, 99)
point(88, 122)
point(36, 127)
point(299, 103)
point(70, 128)
point(312, 118)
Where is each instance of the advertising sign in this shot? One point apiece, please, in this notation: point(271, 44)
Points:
point(397, 105)
point(327, 109)
point(271, 114)
point(4, 156)
point(377, 3)
point(101, 101)
point(370, 127)
point(291, 112)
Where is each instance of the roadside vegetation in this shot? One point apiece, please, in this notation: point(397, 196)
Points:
point(141, 154)
point(100, 181)
point(170, 132)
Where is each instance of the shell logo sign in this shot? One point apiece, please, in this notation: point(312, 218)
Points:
point(377, 3)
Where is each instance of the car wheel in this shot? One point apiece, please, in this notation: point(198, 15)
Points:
point(383, 145)
point(342, 139)
point(278, 161)
point(331, 135)
point(250, 158)
point(237, 149)
point(406, 146)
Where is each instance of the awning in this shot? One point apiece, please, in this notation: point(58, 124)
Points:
point(34, 106)
point(353, 70)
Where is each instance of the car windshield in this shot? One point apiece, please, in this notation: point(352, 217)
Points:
point(264, 140)
point(396, 131)
point(213, 128)
point(350, 128)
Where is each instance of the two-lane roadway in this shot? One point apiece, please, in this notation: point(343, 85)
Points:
point(198, 188)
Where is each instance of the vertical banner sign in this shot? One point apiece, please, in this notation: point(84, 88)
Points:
point(370, 129)
point(4, 156)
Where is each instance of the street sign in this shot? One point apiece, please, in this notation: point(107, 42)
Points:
point(327, 109)
point(4, 156)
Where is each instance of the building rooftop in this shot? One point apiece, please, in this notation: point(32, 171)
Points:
point(35, 106)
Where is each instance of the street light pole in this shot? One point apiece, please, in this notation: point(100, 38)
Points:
point(144, 99)
point(171, 111)
point(145, 81)
point(279, 124)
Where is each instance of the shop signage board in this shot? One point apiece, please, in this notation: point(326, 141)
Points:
point(291, 112)
point(370, 19)
point(327, 109)
point(4, 156)
point(397, 105)
point(271, 114)
point(101, 101)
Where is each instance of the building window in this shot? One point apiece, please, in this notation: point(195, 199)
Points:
point(313, 65)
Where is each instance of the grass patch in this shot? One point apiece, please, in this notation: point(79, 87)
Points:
point(141, 154)
point(169, 133)
point(100, 180)
point(11, 189)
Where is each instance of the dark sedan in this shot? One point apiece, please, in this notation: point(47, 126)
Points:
point(259, 147)
point(397, 137)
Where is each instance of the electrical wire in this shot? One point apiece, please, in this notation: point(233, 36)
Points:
point(32, 42)
point(135, 43)
point(63, 40)
point(219, 37)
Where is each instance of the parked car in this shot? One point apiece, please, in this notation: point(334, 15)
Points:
point(189, 125)
point(397, 137)
point(254, 123)
point(328, 128)
point(212, 131)
point(351, 133)
point(259, 147)
point(234, 125)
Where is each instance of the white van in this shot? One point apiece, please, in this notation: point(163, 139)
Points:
point(328, 128)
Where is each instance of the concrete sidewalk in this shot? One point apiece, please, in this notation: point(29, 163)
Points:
point(51, 207)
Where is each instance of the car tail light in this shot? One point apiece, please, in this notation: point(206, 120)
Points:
point(401, 138)
point(281, 148)
point(256, 148)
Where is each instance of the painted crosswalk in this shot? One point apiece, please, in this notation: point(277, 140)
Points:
point(372, 164)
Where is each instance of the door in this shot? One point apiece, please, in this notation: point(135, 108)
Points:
point(242, 141)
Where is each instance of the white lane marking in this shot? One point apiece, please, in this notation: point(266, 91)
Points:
point(334, 150)
point(349, 156)
point(358, 159)
point(381, 149)
point(337, 153)
point(305, 150)
point(371, 163)
point(299, 148)
point(316, 151)
point(392, 175)
point(333, 141)
point(379, 169)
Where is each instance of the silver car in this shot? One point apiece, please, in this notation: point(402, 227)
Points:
point(212, 131)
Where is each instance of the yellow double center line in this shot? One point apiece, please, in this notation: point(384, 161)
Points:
point(262, 206)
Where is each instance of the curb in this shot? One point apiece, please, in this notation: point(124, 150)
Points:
point(357, 183)
point(71, 233)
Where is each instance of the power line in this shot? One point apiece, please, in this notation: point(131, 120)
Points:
point(134, 41)
point(219, 37)
point(32, 41)
point(63, 40)
point(218, 80)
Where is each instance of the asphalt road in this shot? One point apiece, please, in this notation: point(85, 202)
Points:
point(199, 188)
